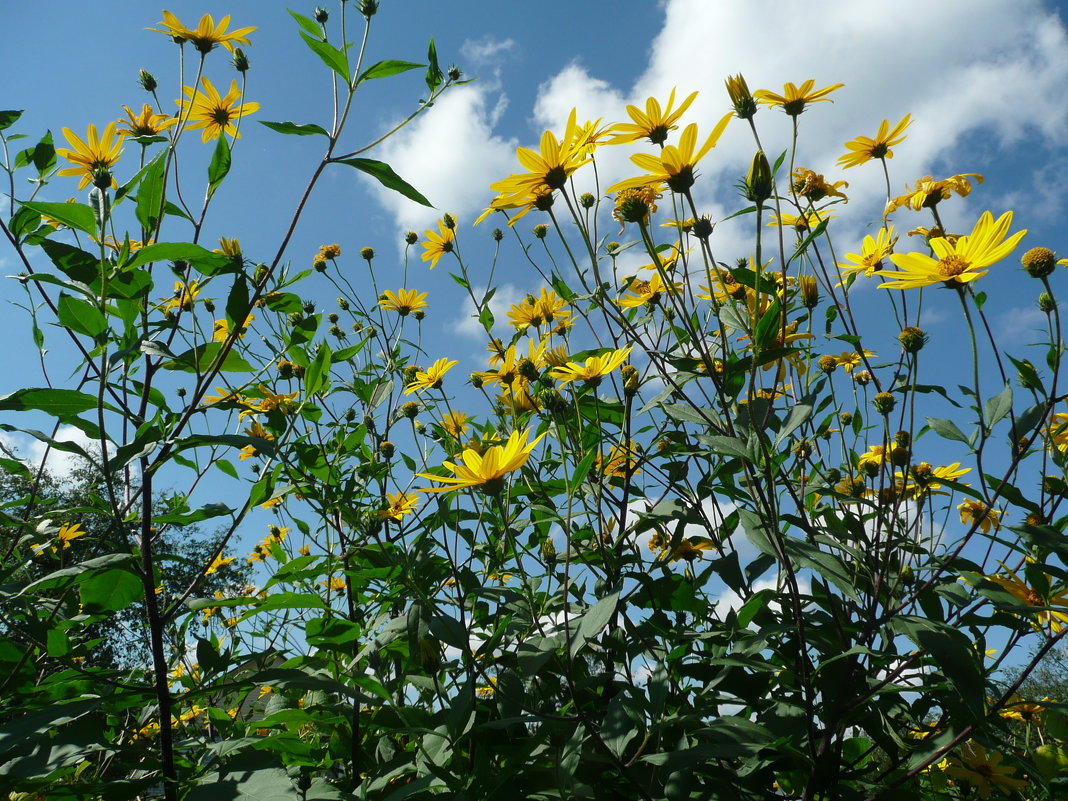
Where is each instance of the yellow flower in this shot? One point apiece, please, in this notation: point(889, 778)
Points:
point(794, 99)
point(403, 301)
point(674, 166)
point(147, 123)
point(959, 262)
point(213, 113)
point(689, 549)
point(400, 504)
point(1053, 610)
point(983, 771)
point(217, 562)
point(207, 34)
point(872, 253)
point(549, 168)
point(432, 377)
point(622, 461)
point(977, 513)
point(655, 123)
point(485, 470)
point(1057, 431)
point(335, 584)
point(183, 297)
point(862, 149)
point(537, 311)
point(93, 158)
point(929, 192)
point(506, 364)
point(438, 244)
point(808, 221)
point(851, 359)
point(595, 368)
point(1023, 710)
point(455, 424)
point(925, 478)
point(814, 187)
point(641, 292)
point(221, 329)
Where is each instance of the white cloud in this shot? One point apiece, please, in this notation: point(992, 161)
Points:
point(486, 50)
point(467, 323)
point(451, 155)
point(61, 464)
point(1022, 324)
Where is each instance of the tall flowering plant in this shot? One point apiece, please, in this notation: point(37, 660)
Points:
point(694, 529)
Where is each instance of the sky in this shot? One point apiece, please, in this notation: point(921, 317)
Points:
point(984, 82)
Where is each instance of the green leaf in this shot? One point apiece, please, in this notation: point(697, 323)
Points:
point(110, 591)
point(202, 357)
point(335, 59)
point(306, 23)
point(150, 193)
point(287, 600)
point(434, 75)
point(799, 415)
point(383, 69)
point(62, 403)
point(729, 446)
point(80, 316)
point(947, 429)
point(73, 215)
point(389, 179)
point(220, 165)
point(76, 264)
point(593, 621)
point(317, 376)
point(769, 327)
point(42, 155)
point(998, 406)
point(8, 118)
point(296, 129)
point(205, 260)
point(237, 303)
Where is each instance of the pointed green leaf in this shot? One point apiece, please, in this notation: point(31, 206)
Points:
point(317, 376)
point(389, 179)
point(434, 75)
point(948, 429)
point(998, 406)
point(294, 128)
point(80, 316)
point(335, 59)
point(383, 69)
point(8, 118)
point(220, 165)
point(150, 193)
point(306, 23)
point(205, 260)
point(73, 215)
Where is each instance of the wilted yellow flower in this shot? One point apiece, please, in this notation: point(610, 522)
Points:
point(929, 192)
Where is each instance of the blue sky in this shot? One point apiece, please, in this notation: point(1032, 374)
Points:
point(984, 82)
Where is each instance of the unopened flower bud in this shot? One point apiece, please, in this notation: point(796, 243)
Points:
point(758, 184)
point(476, 381)
point(181, 392)
point(387, 449)
point(410, 410)
point(319, 263)
point(332, 317)
point(631, 379)
point(540, 231)
point(586, 200)
point(448, 221)
point(846, 418)
point(745, 106)
point(209, 305)
point(862, 377)
point(827, 363)
point(912, 339)
point(702, 227)
point(498, 234)
point(810, 291)
point(368, 8)
point(410, 373)
point(367, 253)
point(321, 15)
point(419, 315)
point(411, 238)
point(342, 304)
point(240, 60)
point(1054, 485)
point(528, 369)
point(903, 438)
point(350, 415)
point(548, 551)
point(1039, 262)
point(147, 80)
point(454, 73)
point(1046, 303)
point(883, 402)
point(419, 427)
point(309, 307)
point(295, 317)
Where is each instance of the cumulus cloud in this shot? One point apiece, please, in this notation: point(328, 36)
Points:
point(467, 323)
point(61, 464)
point(451, 155)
